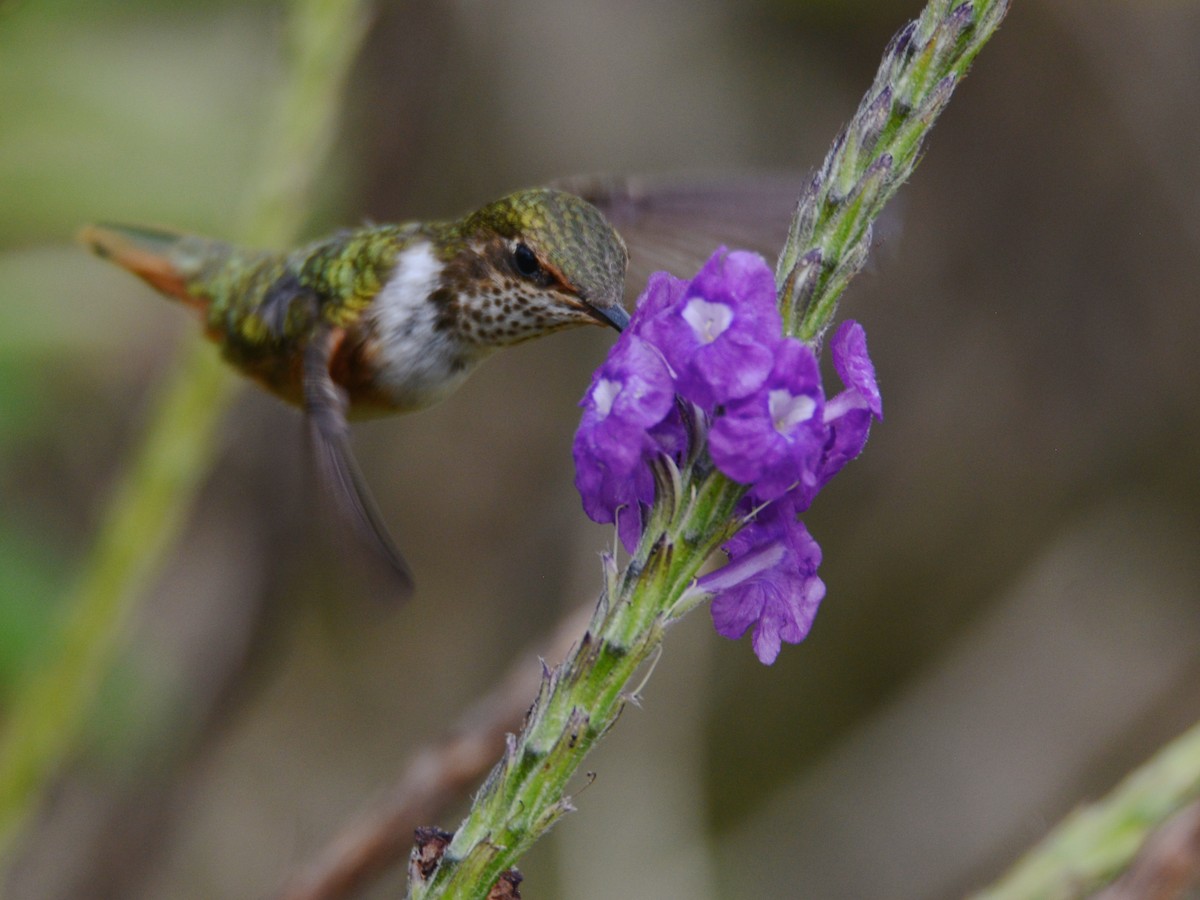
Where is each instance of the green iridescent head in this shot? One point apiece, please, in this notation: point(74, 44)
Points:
point(562, 246)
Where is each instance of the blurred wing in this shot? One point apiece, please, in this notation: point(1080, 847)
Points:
point(676, 222)
point(325, 404)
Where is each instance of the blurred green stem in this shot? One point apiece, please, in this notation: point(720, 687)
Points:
point(694, 509)
point(151, 502)
point(1094, 844)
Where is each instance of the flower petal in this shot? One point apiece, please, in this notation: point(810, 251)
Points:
point(854, 366)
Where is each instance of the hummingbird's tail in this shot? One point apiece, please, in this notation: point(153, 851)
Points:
point(167, 260)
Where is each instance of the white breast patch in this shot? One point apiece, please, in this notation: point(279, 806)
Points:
point(420, 363)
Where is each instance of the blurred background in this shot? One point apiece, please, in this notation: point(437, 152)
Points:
point(1013, 581)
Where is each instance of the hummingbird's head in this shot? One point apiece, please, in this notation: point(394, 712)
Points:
point(534, 262)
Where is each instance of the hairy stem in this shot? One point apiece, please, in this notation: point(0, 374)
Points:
point(581, 699)
point(875, 154)
point(151, 500)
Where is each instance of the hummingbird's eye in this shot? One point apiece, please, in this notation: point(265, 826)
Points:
point(526, 261)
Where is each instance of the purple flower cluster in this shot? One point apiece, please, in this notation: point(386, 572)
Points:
point(717, 342)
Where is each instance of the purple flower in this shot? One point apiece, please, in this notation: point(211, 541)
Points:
point(717, 342)
point(773, 438)
point(718, 335)
point(785, 438)
point(770, 582)
point(854, 366)
point(663, 291)
point(848, 415)
point(630, 394)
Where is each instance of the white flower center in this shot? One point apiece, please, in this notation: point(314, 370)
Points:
point(603, 396)
point(708, 320)
point(788, 411)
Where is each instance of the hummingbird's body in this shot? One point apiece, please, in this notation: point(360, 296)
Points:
point(413, 308)
point(388, 318)
point(399, 348)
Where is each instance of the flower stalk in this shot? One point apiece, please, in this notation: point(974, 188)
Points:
point(581, 699)
point(639, 459)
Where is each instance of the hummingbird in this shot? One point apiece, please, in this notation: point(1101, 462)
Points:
point(392, 318)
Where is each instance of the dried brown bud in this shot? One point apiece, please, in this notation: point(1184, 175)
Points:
point(507, 886)
point(431, 844)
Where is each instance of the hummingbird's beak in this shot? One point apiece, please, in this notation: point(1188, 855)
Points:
point(609, 315)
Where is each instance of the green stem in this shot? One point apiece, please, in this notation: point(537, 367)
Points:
point(151, 501)
point(875, 154)
point(1094, 844)
point(582, 699)
point(692, 515)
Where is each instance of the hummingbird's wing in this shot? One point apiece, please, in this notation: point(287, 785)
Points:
point(676, 222)
point(326, 403)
